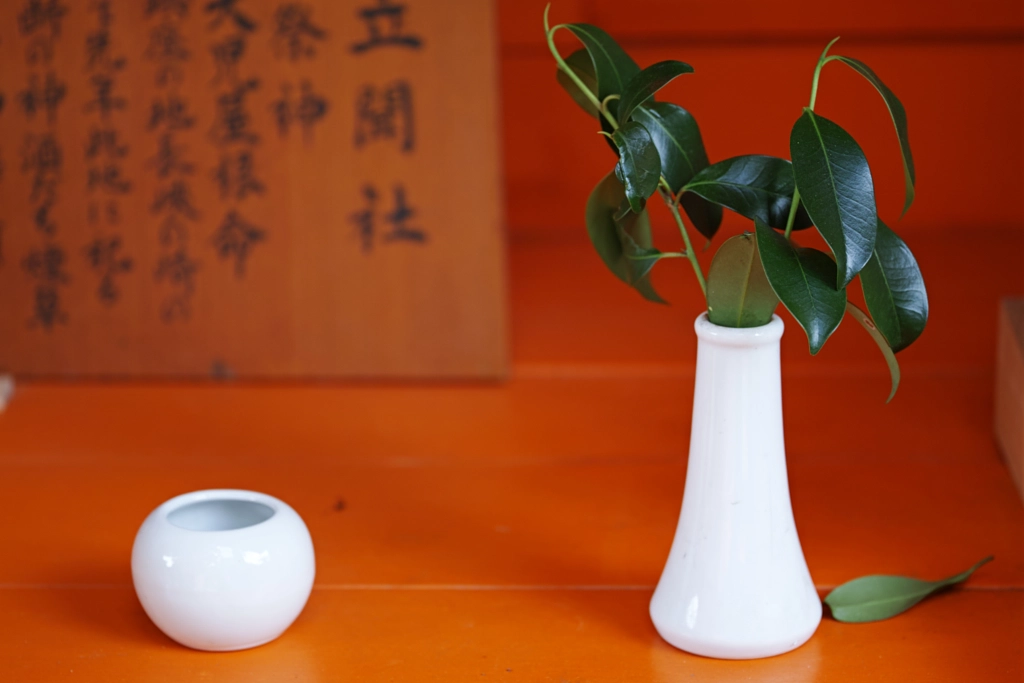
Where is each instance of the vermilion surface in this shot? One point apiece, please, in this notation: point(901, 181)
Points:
point(462, 531)
point(487, 635)
point(515, 531)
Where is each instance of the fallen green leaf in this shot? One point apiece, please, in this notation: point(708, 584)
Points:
point(872, 598)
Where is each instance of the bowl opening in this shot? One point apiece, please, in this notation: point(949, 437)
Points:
point(220, 515)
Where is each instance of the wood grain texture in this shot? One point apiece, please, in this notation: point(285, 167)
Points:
point(310, 298)
point(551, 481)
point(1009, 408)
point(466, 635)
point(463, 531)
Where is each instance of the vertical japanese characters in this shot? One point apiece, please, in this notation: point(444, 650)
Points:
point(169, 117)
point(295, 39)
point(186, 150)
point(233, 133)
point(105, 151)
point(42, 156)
point(384, 114)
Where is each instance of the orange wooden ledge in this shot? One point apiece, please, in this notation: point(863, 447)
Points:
point(479, 532)
point(515, 531)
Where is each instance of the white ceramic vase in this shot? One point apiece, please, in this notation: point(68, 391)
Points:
point(223, 569)
point(736, 585)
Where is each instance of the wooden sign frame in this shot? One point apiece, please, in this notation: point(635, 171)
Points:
point(251, 188)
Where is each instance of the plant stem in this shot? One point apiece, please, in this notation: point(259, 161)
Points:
point(814, 85)
point(670, 199)
point(822, 61)
point(550, 33)
point(568, 71)
point(659, 255)
point(690, 254)
point(606, 112)
point(792, 212)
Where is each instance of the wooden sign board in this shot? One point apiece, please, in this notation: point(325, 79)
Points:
point(1009, 404)
point(252, 188)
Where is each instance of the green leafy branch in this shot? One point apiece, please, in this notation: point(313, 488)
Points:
point(833, 181)
point(615, 85)
point(827, 186)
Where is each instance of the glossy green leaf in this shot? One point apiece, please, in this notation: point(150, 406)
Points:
point(804, 280)
point(835, 185)
point(618, 233)
point(890, 358)
point(639, 166)
point(899, 120)
point(872, 598)
point(894, 290)
point(634, 231)
point(612, 66)
point(739, 294)
point(641, 260)
point(676, 135)
point(706, 216)
point(756, 186)
point(649, 81)
point(583, 67)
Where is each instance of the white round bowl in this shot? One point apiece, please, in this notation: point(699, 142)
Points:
point(223, 569)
